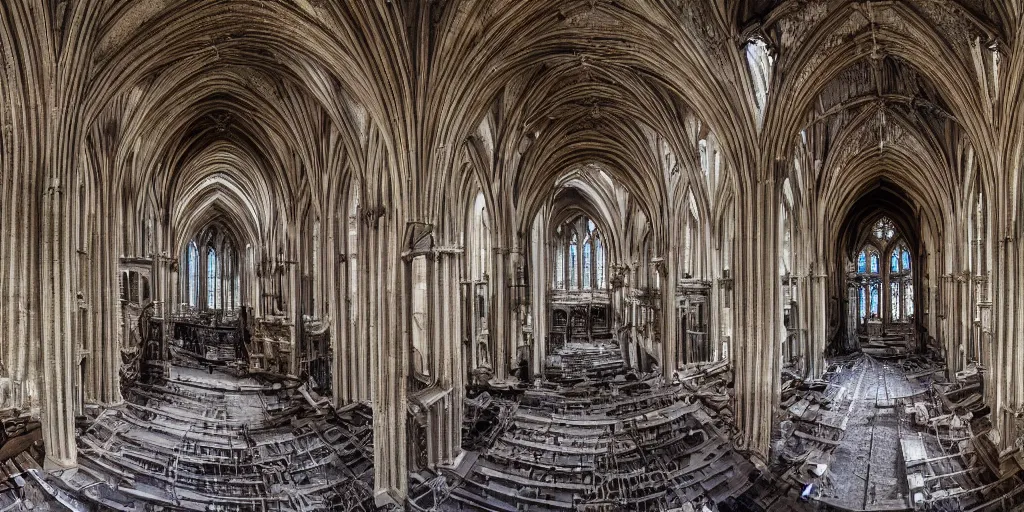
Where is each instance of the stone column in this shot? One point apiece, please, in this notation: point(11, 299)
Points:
point(445, 441)
point(389, 338)
point(818, 332)
point(666, 269)
point(758, 315)
point(57, 319)
point(502, 344)
point(540, 276)
point(1007, 374)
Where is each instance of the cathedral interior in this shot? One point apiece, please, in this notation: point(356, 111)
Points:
point(512, 255)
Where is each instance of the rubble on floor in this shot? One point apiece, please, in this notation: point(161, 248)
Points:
point(22, 480)
point(205, 437)
point(595, 439)
point(890, 434)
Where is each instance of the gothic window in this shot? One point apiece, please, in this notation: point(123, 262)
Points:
point(573, 257)
point(702, 148)
point(586, 264)
point(579, 256)
point(192, 263)
point(889, 288)
point(560, 268)
point(212, 280)
point(211, 272)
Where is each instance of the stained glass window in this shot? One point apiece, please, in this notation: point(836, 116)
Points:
point(888, 288)
point(599, 261)
point(863, 304)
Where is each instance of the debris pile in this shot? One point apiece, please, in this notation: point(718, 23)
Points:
point(890, 433)
point(952, 455)
point(22, 485)
point(813, 424)
point(206, 435)
point(622, 441)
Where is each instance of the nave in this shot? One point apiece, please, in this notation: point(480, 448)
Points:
point(614, 442)
point(512, 254)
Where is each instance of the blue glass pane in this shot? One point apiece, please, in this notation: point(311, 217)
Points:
point(874, 300)
point(894, 262)
point(906, 259)
point(862, 262)
point(863, 303)
point(874, 263)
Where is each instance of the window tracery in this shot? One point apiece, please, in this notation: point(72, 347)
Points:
point(211, 279)
point(895, 278)
point(580, 256)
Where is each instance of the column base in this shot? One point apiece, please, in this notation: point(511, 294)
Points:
point(388, 498)
point(51, 465)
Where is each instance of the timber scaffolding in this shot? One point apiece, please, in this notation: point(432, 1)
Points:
point(890, 434)
point(217, 438)
point(621, 442)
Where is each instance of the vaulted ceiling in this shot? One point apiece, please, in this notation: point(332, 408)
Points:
point(415, 95)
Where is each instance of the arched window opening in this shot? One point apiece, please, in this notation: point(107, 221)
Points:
point(192, 263)
point(573, 263)
point(476, 294)
point(211, 280)
point(886, 296)
point(759, 62)
point(579, 256)
point(586, 264)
